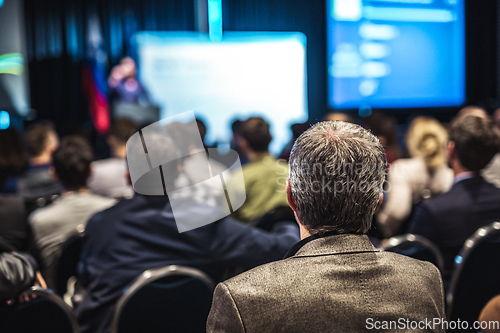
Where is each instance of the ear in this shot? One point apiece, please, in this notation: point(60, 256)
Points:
point(289, 196)
point(451, 153)
point(380, 200)
point(242, 143)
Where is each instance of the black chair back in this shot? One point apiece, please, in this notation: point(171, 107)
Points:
point(167, 299)
point(417, 247)
point(68, 263)
point(47, 313)
point(476, 277)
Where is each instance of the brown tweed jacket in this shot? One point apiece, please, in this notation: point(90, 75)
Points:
point(337, 283)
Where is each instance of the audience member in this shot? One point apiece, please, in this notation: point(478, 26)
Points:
point(141, 233)
point(14, 228)
point(472, 110)
point(13, 161)
point(334, 280)
point(384, 128)
point(37, 186)
point(297, 130)
point(108, 177)
point(67, 216)
point(449, 219)
point(264, 175)
point(491, 315)
point(413, 179)
point(492, 171)
point(338, 116)
point(18, 271)
point(190, 167)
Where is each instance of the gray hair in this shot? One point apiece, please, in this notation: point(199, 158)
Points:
point(337, 171)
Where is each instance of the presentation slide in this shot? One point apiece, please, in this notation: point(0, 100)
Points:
point(395, 53)
point(14, 90)
point(245, 74)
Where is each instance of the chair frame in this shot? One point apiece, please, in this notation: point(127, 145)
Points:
point(41, 292)
point(396, 241)
point(150, 276)
point(478, 237)
point(78, 236)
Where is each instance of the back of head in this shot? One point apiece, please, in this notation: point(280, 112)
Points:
point(476, 141)
point(12, 157)
point(38, 136)
point(338, 116)
point(428, 139)
point(122, 129)
point(255, 131)
point(71, 161)
point(472, 110)
point(383, 127)
point(337, 170)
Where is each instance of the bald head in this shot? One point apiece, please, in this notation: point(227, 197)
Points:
point(472, 110)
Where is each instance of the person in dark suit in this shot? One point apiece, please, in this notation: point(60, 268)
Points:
point(142, 233)
point(449, 219)
point(334, 279)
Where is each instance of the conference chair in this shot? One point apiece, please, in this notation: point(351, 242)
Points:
point(47, 313)
point(67, 265)
point(417, 247)
point(476, 275)
point(167, 299)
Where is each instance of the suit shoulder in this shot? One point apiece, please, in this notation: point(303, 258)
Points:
point(261, 274)
point(411, 266)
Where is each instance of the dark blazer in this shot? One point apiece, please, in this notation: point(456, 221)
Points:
point(14, 227)
point(330, 284)
point(449, 219)
point(139, 234)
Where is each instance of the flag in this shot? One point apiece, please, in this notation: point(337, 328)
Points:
point(94, 81)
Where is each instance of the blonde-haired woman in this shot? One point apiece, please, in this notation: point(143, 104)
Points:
point(413, 179)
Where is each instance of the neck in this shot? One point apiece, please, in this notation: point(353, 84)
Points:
point(82, 189)
point(253, 156)
point(304, 233)
point(44, 158)
point(458, 169)
point(120, 152)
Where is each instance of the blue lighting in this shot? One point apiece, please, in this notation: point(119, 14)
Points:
point(458, 260)
point(1, 3)
point(214, 19)
point(4, 118)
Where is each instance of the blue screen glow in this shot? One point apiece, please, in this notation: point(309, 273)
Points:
point(395, 53)
point(4, 120)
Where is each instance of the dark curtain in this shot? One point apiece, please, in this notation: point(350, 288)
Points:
point(57, 46)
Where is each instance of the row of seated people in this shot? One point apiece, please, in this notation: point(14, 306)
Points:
point(135, 234)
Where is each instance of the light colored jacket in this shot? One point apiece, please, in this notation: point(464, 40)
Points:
point(330, 284)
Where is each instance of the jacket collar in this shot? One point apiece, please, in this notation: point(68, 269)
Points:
point(331, 243)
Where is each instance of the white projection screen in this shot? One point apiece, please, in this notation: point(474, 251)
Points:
point(245, 74)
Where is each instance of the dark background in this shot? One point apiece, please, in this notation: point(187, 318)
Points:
point(56, 37)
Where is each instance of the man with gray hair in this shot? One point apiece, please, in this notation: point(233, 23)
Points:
point(334, 279)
